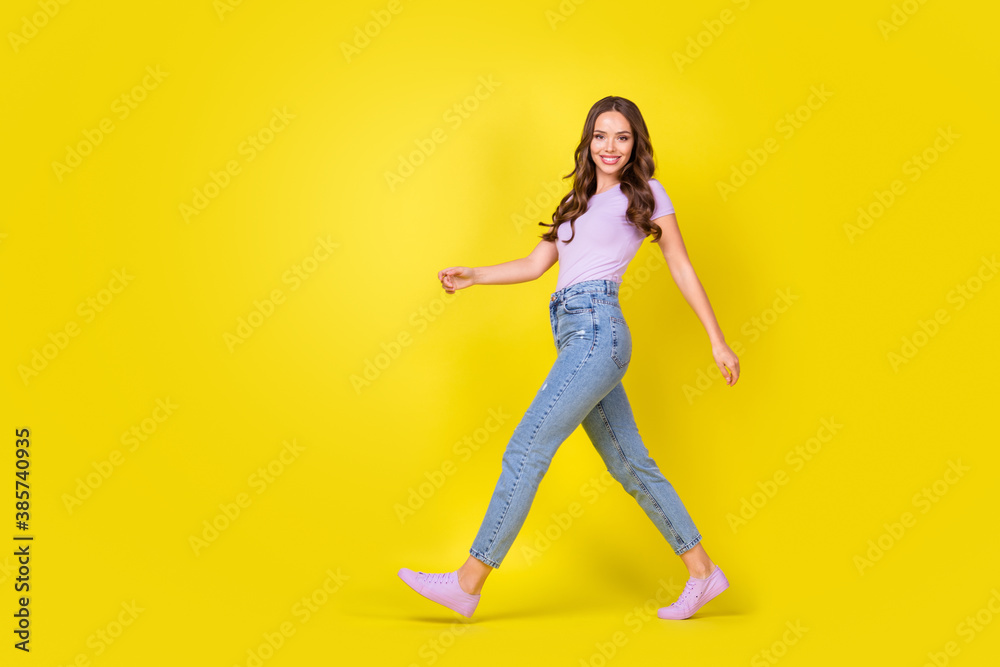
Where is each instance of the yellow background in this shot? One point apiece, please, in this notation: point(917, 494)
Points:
point(442, 364)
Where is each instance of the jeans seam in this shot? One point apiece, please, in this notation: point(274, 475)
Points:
point(531, 441)
point(614, 341)
point(632, 472)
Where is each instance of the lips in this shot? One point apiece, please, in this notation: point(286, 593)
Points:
point(614, 160)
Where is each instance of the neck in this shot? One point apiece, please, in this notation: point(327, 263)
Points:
point(607, 184)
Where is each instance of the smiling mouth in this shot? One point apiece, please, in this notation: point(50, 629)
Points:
point(612, 160)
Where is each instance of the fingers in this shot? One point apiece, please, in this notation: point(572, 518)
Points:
point(447, 282)
point(730, 371)
point(734, 373)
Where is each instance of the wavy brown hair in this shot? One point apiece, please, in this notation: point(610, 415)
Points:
point(634, 175)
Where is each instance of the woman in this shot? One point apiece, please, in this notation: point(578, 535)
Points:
point(596, 231)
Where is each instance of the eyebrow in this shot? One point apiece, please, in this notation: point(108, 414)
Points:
point(603, 132)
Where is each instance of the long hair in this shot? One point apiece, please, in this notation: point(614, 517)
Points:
point(634, 175)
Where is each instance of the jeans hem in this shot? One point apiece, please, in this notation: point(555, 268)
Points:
point(478, 555)
point(690, 545)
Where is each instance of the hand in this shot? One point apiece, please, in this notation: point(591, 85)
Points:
point(456, 278)
point(727, 362)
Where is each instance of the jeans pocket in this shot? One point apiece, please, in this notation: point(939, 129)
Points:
point(578, 303)
point(621, 342)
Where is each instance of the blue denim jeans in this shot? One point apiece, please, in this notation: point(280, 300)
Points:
point(584, 386)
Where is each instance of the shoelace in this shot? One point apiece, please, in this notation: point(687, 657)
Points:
point(688, 590)
point(438, 578)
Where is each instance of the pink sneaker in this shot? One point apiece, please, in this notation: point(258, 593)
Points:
point(442, 588)
point(696, 593)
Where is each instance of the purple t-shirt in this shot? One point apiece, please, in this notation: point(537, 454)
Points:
point(605, 242)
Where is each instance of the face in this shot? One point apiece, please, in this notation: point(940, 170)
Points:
point(612, 139)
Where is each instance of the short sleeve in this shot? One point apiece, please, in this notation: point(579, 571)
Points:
point(663, 204)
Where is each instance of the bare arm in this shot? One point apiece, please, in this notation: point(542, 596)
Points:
point(687, 282)
point(518, 270)
point(521, 270)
